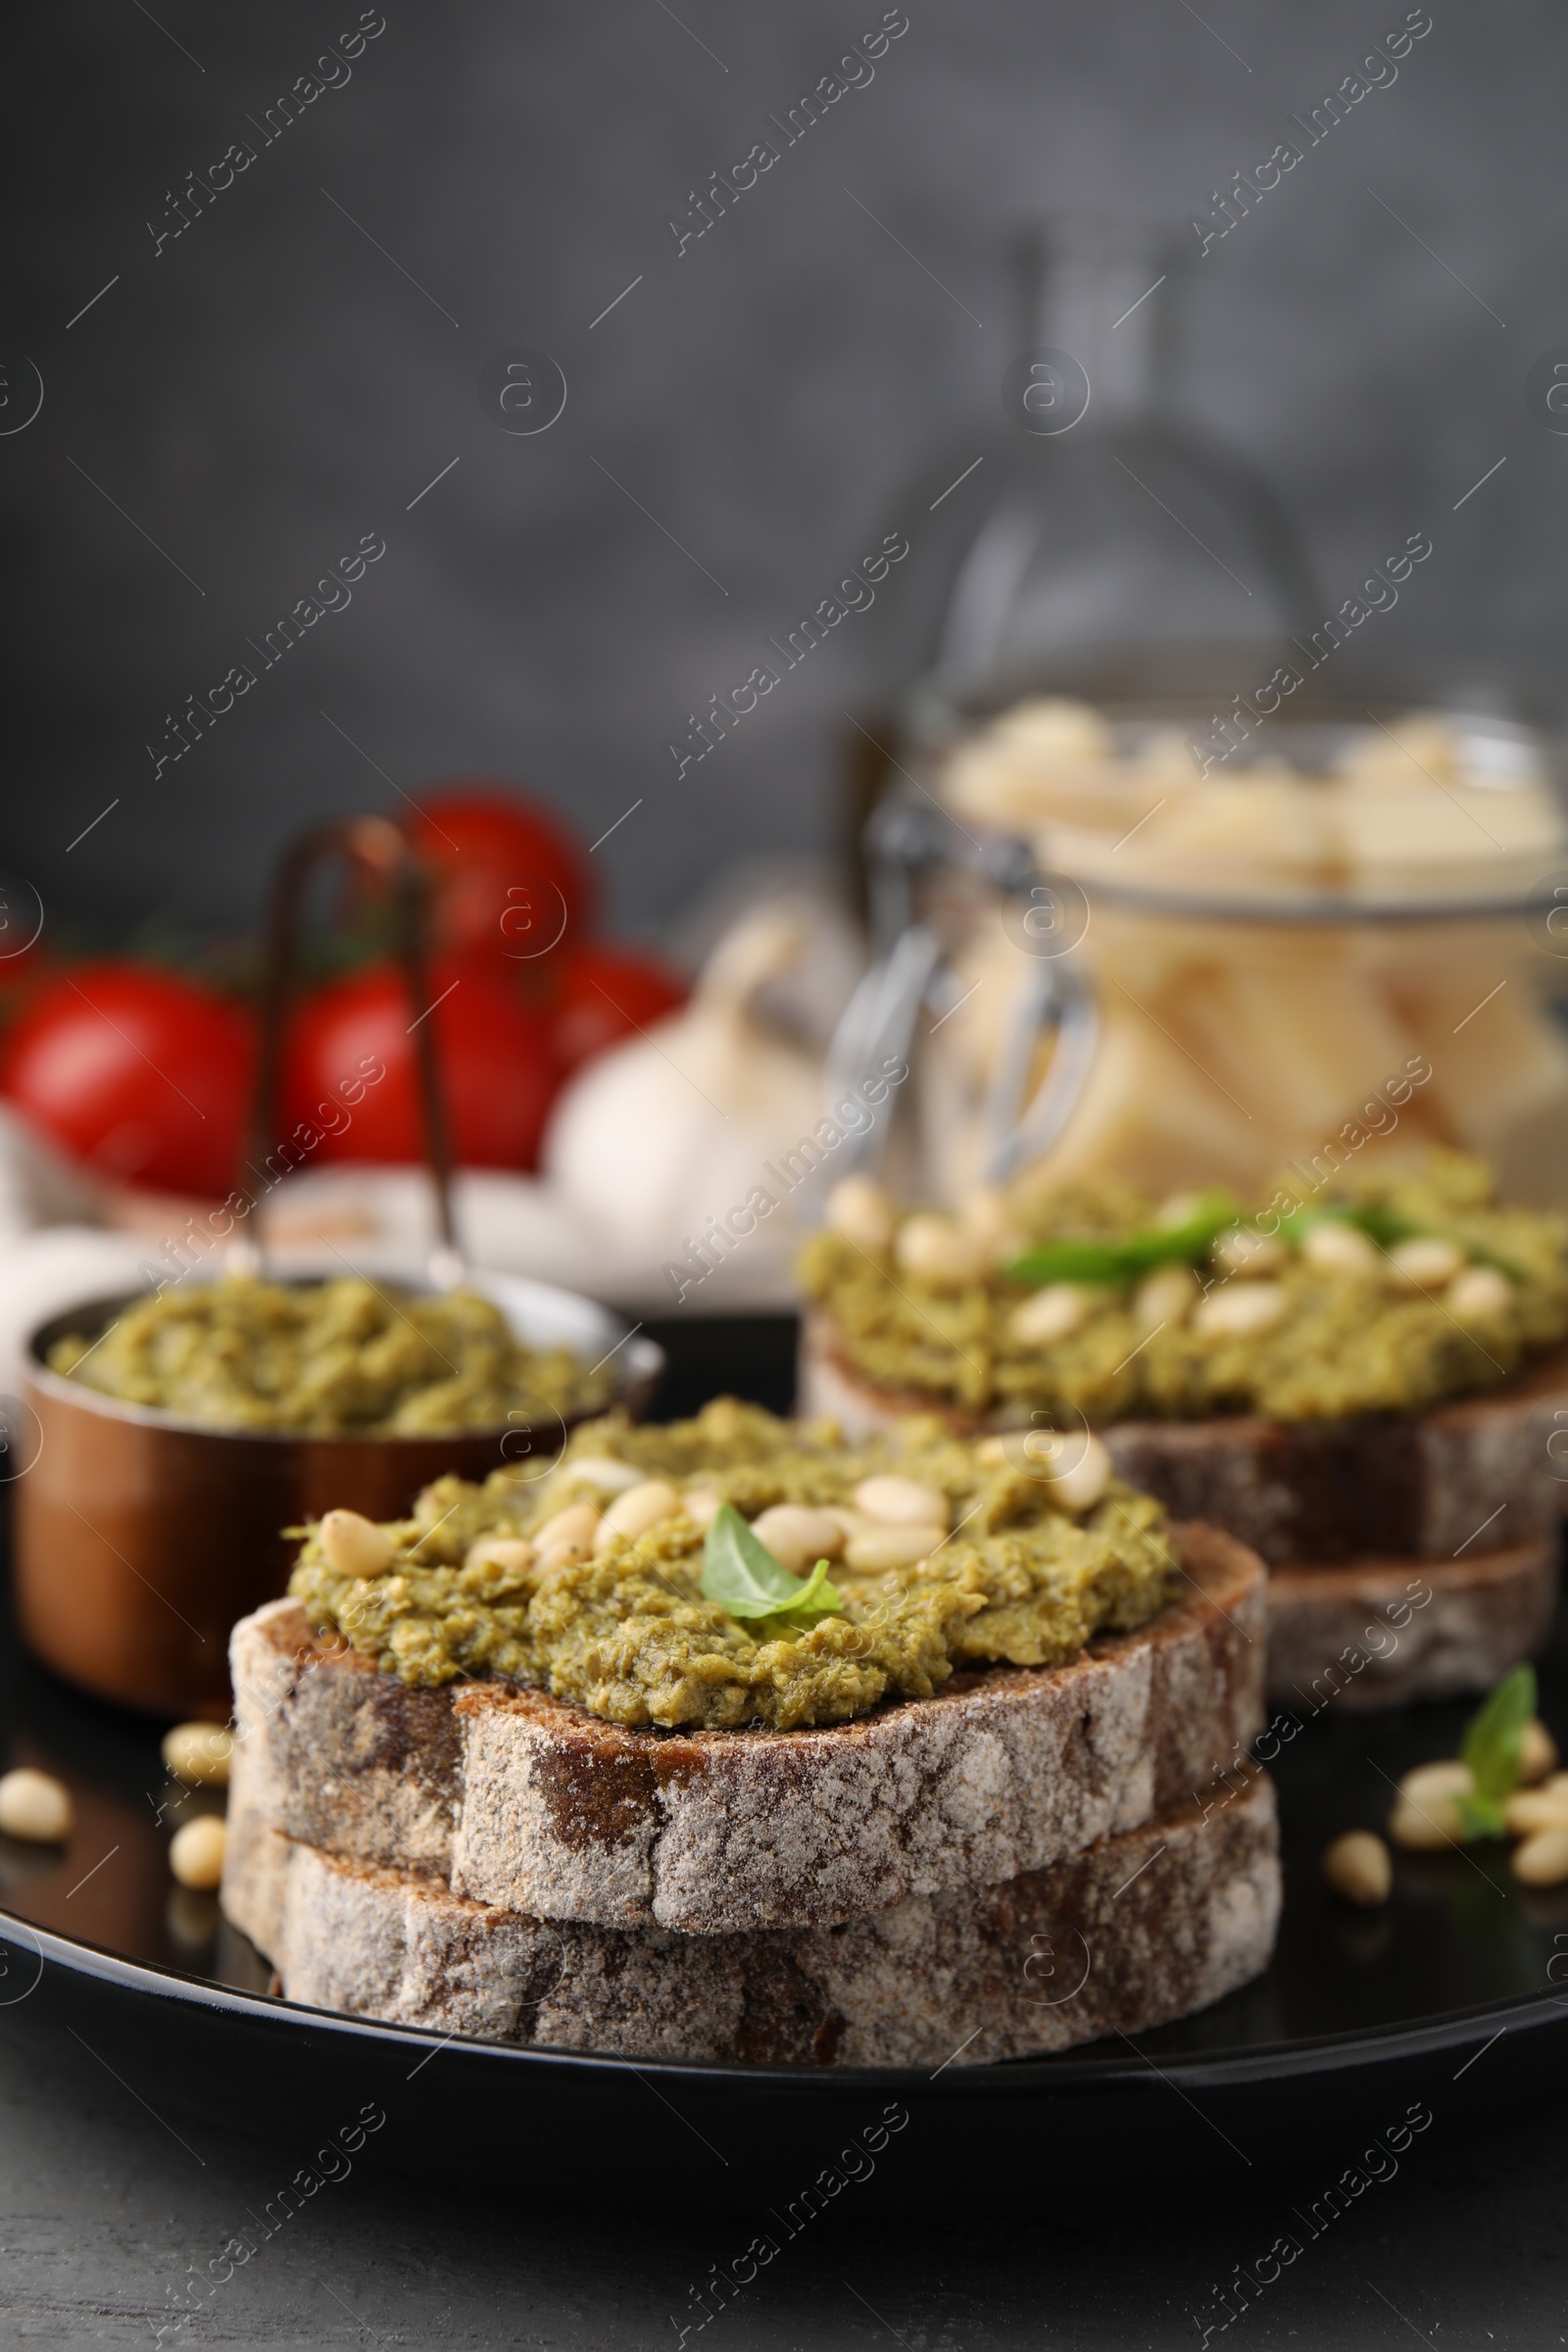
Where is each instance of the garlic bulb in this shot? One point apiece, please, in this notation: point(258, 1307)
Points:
point(703, 1131)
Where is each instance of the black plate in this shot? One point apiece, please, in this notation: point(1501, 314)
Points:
point(1445, 2000)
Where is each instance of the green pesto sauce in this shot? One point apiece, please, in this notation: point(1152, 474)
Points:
point(336, 1358)
point(629, 1636)
point(1347, 1343)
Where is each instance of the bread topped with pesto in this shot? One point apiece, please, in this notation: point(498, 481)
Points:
point(1386, 1295)
point(734, 1674)
point(738, 1569)
point(1348, 1378)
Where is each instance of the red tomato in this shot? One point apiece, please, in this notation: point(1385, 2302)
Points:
point(607, 995)
point(144, 1074)
point(510, 878)
point(497, 1071)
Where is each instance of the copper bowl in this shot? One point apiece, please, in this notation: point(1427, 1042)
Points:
point(140, 1539)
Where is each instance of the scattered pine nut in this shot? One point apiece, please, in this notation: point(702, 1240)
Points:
point(36, 1806)
point(196, 1853)
point(199, 1753)
point(1426, 1830)
point(1538, 1752)
point(1543, 1860)
point(1359, 1867)
point(1532, 1809)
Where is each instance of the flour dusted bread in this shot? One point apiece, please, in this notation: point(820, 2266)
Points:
point(520, 1801)
point(1379, 1632)
point(1464, 1500)
point(1136, 1929)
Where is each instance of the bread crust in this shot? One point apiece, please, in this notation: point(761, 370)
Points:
point(1377, 1484)
point(525, 1802)
point(1136, 1929)
point(1481, 1615)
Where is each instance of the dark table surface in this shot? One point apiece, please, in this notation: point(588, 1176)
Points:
point(109, 2219)
point(105, 2214)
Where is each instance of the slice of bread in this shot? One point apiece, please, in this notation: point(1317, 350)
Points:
point(1381, 1632)
point(1134, 1930)
point(1379, 1484)
point(1352, 1516)
point(521, 1800)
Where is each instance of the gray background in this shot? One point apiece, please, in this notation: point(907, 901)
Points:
point(271, 385)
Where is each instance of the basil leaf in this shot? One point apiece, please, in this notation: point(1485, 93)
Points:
point(1121, 1260)
point(1480, 1817)
point(742, 1575)
point(817, 1599)
point(1491, 1748)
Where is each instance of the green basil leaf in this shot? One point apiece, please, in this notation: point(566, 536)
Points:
point(1480, 1817)
point(817, 1599)
point(1122, 1260)
point(1494, 1739)
point(742, 1575)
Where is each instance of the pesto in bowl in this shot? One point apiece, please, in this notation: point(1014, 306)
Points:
point(345, 1357)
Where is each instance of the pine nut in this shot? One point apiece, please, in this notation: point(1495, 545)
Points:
point(1424, 1263)
point(1050, 1314)
point(853, 1523)
point(701, 1506)
point(1359, 1867)
point(507, 1553)
point(1178, 1208)
point(638, 1510)
point(1079, 1486)
point(355, 1545)
point(1429, 1785)
point(1234, 1314)
point(1249, 1255)
point(990, 1216)
point(938, 1251)
point(1076, 1467)
point(577, 1525)
point(36, 1806)
point(1532, 1809)
point(1167, 1295)
point(1428, 1831)
point(1480, 1295)
point(860, 1209)
point(572, 1554)
point(196, 1853)
point(1426, 1815)
point(798, 1537)
point(1538, 1752)
point(1342, 1248)
point(199, 1753)
point(1541, 1861)
point(601, 1470)
point(903, 1502)
point(883, 1548)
